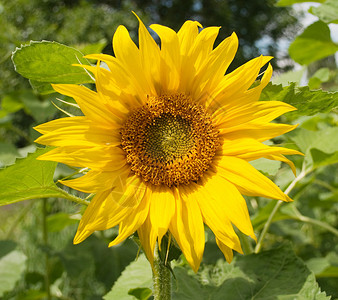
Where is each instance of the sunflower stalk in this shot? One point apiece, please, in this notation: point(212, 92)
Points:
point(161, 278)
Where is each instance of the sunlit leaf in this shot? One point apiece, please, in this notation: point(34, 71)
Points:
point(320, 147)
point(274, 274)
point(313, 44)
point(288, 77)
point(268, 167)
point(50, 62)
point(327, 12)
point(321, 75)
point(12, 266)
point(136, 275)
point(307, 102)
point(290, 2)
point(28, 178)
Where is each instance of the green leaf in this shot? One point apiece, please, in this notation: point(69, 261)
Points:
point(266, 166)
point(307, 102)
point(274, 274)
point(50, 62)
point(321, 75)
point(136, 275)
point(12, 266)
point(93, 48)
point(8, 154)
point(321, 158)
point(290, 2)
point(320, 147)
point(288, 77)
point(43, 88)
point(313, 44)
point(29, 178)
point(10, 103)
point(141, 293)
point(327, 12)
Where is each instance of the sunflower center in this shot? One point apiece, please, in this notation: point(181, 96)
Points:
point(170, 140)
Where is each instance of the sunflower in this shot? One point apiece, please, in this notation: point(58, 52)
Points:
point(167, 138)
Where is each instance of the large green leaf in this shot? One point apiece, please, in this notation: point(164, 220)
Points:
point(307, 102)
point(327, 12)
point(136, 275)
point(275, 274)
point(320, 147)
point(50, 62)
point(12, 266)
point(313, 44)
point(290, 2)
point(29, 178)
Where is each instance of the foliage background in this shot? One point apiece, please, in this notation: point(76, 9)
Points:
point(36, 235)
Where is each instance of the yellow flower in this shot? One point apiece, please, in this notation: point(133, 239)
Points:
point(168, 138)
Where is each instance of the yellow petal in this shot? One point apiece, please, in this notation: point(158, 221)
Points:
point(187, 35)
point(150, 58)
point(96, 181)
point(77, 131)
point(105, 158)
point(211, 74)
point(170, 58)
point(162, 209)
point(238, 80)
point(133, 221)
point(129, 58)
point(89, 101)
point(187, 228)
point(215, 215)
point(248, 180)
point(257, 112)
point(260, 132)
point(230, 202)
point(147, 237)
point(102, 213)
point(228, 254)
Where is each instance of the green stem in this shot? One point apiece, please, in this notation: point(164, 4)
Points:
point(305, 219)
point(45, 241)
point(266, 227)
point(161, 279)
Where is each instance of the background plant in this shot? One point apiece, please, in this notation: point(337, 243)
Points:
point(297, 246)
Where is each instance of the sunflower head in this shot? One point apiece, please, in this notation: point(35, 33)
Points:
point(167, 138)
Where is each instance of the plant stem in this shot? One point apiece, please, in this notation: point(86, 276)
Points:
point(161, 279)
point(45, 241)
point(266, 227)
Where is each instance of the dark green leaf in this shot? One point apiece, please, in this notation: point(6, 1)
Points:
point(313, 44)
point(136, 275)
point(307, 102)
point(12, 266)
point(8, 154)
point(321, 159)
point(29, 178)
point(50, 62)
point(42, 88)
point(274, 274)
point(327, 12)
